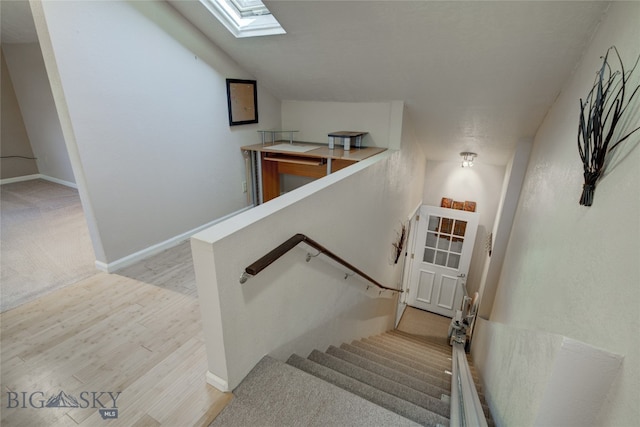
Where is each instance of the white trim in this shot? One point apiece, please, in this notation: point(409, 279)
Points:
point(19, 179)
point(217, 382)
point(415, 211)
point(59, 181)
point(409, 247)
point(157, 248)
point(254, 26)
point(401, 307)
point(407, 263)
point(38, 176)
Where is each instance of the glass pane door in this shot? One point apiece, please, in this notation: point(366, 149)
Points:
point(443, 245)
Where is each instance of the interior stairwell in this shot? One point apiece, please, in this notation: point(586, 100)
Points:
point(397, 378)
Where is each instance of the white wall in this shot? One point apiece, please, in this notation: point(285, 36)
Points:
point(15, 141)
point(293, 306)
point(31, 84)
point(315, 120)
point(145, 97)
point(572, 271)
point(482, 184)
point(511, 189)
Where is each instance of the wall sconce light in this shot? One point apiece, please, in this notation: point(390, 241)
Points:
point(467, 159)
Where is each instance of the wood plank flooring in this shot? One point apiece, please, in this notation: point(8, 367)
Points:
point(109, 333)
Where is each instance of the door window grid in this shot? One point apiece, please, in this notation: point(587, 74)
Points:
point(443, 245)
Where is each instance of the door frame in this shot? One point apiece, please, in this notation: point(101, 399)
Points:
point(462, 280)
point(407, 262)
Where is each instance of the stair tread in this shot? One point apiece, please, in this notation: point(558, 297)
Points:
point(418, 341)
point(398, 345)
point(386, 400)
point(432, 342)
point(410, 344)
point(394, 388)
point(277, 394)
point(439, 360)
point(412, 361)
point(436, 372)
point(437, 363)
point(419, 344)
point(388, 372)
point(437, 381)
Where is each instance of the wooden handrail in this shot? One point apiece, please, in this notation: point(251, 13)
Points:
point(285, 247)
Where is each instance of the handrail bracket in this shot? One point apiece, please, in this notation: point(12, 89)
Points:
point(309, 256)
point(245, 276)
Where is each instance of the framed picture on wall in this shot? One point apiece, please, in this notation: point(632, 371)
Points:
point(242, 100)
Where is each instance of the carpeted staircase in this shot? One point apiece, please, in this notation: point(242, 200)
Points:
point(406, 377)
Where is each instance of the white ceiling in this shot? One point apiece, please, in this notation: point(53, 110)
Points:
point(474, 75)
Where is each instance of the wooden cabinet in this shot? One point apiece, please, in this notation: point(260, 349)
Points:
point(270, 160)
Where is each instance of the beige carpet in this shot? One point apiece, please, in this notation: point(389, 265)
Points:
point(430, 326)
point(44, 241)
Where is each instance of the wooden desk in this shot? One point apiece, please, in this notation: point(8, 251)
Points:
point(269, 160)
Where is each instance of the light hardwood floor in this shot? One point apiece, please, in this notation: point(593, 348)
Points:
point(109, 333)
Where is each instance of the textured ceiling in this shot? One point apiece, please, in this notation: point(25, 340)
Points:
point(474, 75)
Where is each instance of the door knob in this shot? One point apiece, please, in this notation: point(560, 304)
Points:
point(462, 275)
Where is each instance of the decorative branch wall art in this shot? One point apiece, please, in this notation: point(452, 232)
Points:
point(399, 244)
point(600, 129)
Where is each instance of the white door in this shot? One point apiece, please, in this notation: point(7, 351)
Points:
point(441, 256)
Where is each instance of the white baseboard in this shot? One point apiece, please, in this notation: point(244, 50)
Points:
point(59, 181)
point(217, 382)
point(19, 179)
point(38, 176)
point(157, 248)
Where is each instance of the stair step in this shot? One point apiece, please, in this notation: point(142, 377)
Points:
point(434, 351)
point(388, 372)
point(437, 359)
point(441, 343)
point(386, 400)
point(439, 363)
point(402, 339)
point(398, 348)
point(436, 380)
point(381, 383)
point(277, 394)
point(415, 364)
point(418, 341)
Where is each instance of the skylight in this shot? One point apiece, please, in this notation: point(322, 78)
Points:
point(244, 18)
point(249, 8)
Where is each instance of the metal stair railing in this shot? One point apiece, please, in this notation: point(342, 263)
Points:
point(466, 409)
